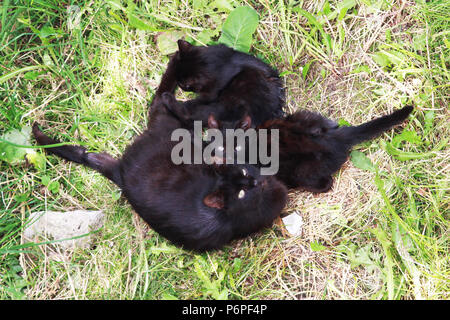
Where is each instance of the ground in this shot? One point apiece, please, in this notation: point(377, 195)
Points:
point(381, 233)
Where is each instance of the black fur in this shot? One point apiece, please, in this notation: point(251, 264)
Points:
point(198, 207)
point(229, 83)
point(312, 147)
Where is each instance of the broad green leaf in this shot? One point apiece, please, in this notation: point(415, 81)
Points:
point(167, 41)
point(31, 75)
point(53, 186)
point(343, 122)
point(199, 4)
point(223, 295)
point(395, 56)
point(137, 23)
point(45, 180)
point(13, 154)
point(222, 5)
point(361, 161)
point(238, 29)
point(381, 59)
point(361, 68)
point(164, 248)
point(363, 256)
point(115, 195)
point(47, 31)
point(37, 159)
point(22, 197)
point(206, 35)
point(316, 246)
point(406, 135)
point(237, 264)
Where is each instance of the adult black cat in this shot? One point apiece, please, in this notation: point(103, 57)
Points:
point(198, 207)
point(312, 147)
point(232, 82)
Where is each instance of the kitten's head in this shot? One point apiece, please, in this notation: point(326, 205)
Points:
point(220, 155)
point(198, 68)
point(311, 123)
point(251, 200)
point(191, 68)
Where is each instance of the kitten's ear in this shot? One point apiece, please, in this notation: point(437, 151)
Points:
point(245, 123)
point(212, 122)
point(184, 46)
point(215, 200)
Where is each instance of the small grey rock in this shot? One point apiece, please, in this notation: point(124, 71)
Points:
point(63, 225)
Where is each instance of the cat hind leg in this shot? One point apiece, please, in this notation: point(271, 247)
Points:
point(101, 162)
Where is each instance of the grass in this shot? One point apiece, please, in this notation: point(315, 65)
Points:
point(382, 233)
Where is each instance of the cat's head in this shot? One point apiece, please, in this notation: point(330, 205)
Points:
point(244, 192)
point(220, 154)
point(191, 69)
point(239, 122)
point(197, 67)
point(311, 123)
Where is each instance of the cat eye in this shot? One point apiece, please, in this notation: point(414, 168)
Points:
point(241, 194)
point(238, 148)
point(244, 172)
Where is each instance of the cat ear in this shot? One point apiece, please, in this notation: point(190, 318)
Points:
point(184, 46)
point(214, 200)
point(212, 122)
point(245, 123)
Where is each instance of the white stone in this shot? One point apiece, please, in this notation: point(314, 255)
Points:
point(293, 224)
point(64, 225)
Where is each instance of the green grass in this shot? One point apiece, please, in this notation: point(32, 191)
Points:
point(382, 233)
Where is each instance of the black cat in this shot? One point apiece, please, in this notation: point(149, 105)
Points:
point(232, 82)
point(210, 116)
point(312, 147)
point(199, 207)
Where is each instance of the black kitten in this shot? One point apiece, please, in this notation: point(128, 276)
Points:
point(199, 207)
point(209, 115)
point(312, 148)
point(230, 81)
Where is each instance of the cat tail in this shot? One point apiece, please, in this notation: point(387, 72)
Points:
point(101, 162)
point(366, 131)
